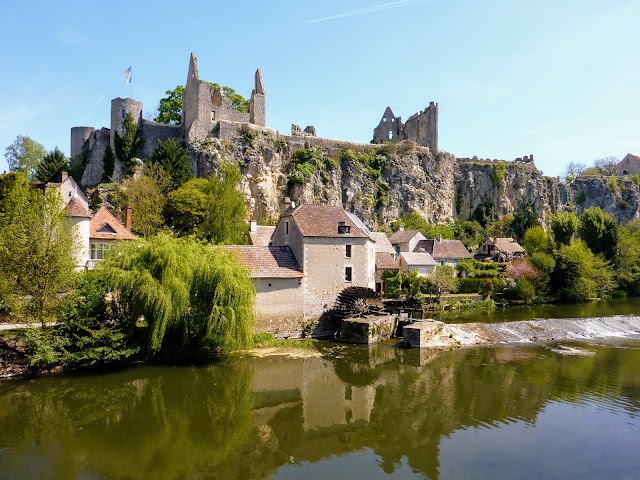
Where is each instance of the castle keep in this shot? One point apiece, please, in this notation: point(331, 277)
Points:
point(207, 113)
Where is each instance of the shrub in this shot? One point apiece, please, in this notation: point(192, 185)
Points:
point(498, 173)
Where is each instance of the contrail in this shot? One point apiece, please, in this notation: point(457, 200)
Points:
point(376, 8)
point(92, 109)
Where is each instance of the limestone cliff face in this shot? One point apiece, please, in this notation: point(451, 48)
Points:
point(437, 186)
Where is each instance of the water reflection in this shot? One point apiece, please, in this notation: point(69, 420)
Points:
point(277, 417)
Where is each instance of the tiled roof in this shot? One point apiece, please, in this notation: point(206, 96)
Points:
point(262, 235)
point(418, 258)
point(443, 249)
point(386, 261)
point(268, 262)
point(382, 242)
point(75, 208)
point(322, 221)
point(98, 231)
point(508, 244)
point(404, 236)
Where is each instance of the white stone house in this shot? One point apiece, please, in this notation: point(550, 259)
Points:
point(423, 263)
point(334, 250)
point(406, 240)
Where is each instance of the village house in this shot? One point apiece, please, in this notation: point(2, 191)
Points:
point(444, 252)
point(423, 263)
point(386, 258)
point(259, 234)
point(334, 250)
point(629, 165)
point(499, 249)
point(96, 233)
point(406, 240)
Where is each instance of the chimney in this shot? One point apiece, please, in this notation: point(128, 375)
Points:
point(401, 228)
point(64, 175)
point(253, 226)
point(127, 218)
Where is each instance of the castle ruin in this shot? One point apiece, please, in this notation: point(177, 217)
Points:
point(421, 128)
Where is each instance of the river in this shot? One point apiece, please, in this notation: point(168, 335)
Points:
point(344, 411)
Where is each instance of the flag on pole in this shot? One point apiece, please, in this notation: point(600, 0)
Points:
point(128, 76)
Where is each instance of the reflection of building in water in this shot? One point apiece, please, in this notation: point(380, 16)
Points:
point(326, 401)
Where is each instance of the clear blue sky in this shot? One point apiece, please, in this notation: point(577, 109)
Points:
point(559, 79)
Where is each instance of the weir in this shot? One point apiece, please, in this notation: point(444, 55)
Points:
point(533, 331)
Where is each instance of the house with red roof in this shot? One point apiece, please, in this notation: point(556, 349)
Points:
point(629, 165)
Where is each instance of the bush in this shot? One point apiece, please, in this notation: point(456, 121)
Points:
point(479, 285)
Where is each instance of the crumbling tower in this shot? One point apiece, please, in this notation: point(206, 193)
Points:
point(421, 128)
point(258, 103)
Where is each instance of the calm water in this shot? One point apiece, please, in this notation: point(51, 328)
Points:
point(352, 412)
point(603, 308)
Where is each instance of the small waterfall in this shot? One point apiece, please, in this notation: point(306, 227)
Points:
point(543, 330)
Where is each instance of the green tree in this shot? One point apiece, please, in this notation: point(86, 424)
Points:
point(599, 231)
point(211, 208)
point(191, 295)
point(524, 217)
point(628, 258)
point(175, 161)
point(469, 232)
point(501, 227)
point(24, 155)
point(51, 166)
point(145, 195)
point(170, 108)
point(536, 240)
point(564, 225)
point(442, 281)
point(128, 145)
point(580, 274)
point(37, 246)
point(109, 164)
point(238, 102)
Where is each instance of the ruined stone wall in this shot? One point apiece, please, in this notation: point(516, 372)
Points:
point(153, 133)
point(93, 173)
point(422, 127)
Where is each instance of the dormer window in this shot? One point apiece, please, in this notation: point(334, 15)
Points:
point(343, 228)
point(106, 228)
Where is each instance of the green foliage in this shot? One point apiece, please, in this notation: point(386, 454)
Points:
point(599, 231)
point(484, 214)
point(279, 143)
point(305, 162)
point(145, 195)
point(415, 221)
point(536, 240)
point(190, 294)
point(580, 274)
point(52, 166)
point(170, 108)
point(249, 134)
point(468, 232)
point(502, 227)
point(628, 258)
point(498, 173)
point(484, 286)
point(109, 164)
point(213, 209)
point(458, 201)
point(37, 245)
point(24, 155)
point(476, 269)
point(374, 162)
point(564, 225)
point(238, 102)
point(128, 145)
point(174, 160)
point(525, 291)
point(524, 218)
point(382, 194)
point(581, 197)
point(614, 184)
point(443, 280)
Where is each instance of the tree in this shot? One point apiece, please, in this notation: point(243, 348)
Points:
point(469, 232)
point(170, 108)
point(109, 164)
point(189, 293)
point(628, 258)
point(573, 171)
point(24, 155)
point(145, 196)
point(536, 240)
point(128, 145)
point(211, 208)
point(607, 165)
point(501, 227)
point(599, 231)
point(564, 225)
point(524, 217)
point(174, 160)
point(443, 280)
point(52, 166)
point(37, 246)
point(580, 274)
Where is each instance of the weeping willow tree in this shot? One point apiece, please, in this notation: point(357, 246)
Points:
point(189, 293)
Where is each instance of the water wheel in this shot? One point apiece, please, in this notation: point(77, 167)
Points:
point(357, 302)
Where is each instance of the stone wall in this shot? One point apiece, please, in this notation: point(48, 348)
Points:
point(96, 149)
point(119, 109)
point(279, 306)
point(153, 133)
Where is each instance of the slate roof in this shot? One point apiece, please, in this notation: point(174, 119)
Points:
point(382, 242)
point(387, 261)
point(507, 245)
point(322, 221)
point(97, 230)
point(268, 261)
point(262, 235)
point(403, 236)
point(419, 259)
point(75, 208)
point(443, 249)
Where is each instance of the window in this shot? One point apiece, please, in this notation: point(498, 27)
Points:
point(286, 228)
point(390, 135)
point(398, 249)
point(100, 250)
point(343, 228)
point(348, 274)
point(347, 251)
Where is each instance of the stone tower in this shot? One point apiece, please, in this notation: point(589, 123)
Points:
point(119, 109)
point(258, 103)
point(79, 138)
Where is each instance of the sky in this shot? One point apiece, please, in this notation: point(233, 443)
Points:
point(556, 79)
